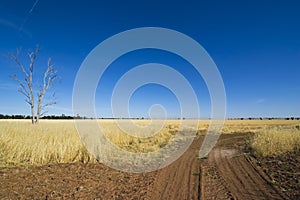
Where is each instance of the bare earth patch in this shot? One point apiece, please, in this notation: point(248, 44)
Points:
point(284, 171)
point(72, 181)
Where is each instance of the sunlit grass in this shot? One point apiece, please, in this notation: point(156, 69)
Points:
point(57, 141)
point(47, 142)
point(22, 143)
point(276, 140)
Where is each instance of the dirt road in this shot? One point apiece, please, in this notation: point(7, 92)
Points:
point(226, 174)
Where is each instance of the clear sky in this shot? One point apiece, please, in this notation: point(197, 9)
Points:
point(255, 45)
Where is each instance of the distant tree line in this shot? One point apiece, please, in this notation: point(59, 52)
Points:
point(265, 118)
point(63, 116)
point(30, 117)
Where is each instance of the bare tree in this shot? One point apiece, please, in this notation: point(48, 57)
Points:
point(27, 87)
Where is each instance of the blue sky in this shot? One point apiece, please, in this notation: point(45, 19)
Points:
point(255, 45)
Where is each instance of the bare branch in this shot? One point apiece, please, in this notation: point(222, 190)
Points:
point(49, 104)
point(49, 77)
point(43, 113)
point(32, 57)
point(15, 57)
point(28, 101)
point(26, 95)
point(24, 89)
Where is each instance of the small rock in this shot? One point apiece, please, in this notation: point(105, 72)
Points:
point(78, 189)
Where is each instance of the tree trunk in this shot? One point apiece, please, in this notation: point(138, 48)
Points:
point(37, 118)
point(32, 115)
point(39, 109)
point(32, 97)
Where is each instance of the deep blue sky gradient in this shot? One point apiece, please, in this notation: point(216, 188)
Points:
point(255, 44)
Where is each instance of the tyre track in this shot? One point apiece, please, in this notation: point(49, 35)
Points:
point(242, 179)
point(180, 180)
point(213, 186)
point(226, 174)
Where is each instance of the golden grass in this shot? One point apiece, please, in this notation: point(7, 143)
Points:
point(276, 140)
point(160, 137)
point(57, 141)
point(256, 126)
point(270, 136)
point(22, 143)
point(43, 143)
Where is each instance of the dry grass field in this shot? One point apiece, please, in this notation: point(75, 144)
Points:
point(58, 142)
point(271, 137)
point(22, 143)
point(50, 142)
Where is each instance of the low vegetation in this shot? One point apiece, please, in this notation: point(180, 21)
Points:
point(57, 141)
point(276, 140)
point(22, 143)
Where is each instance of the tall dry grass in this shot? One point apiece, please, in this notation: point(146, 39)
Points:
point(138, 144)
point(57, 141)
point(22, 143)
point(276, 140)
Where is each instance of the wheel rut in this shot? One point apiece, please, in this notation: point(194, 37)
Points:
point(179, 180)
point(241, 178)
point(224, 174)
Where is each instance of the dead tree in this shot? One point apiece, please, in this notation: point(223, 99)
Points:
point(27, 87)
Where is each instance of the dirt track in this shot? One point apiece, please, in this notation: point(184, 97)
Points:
point(242, 178)
point(226, 174)
point(181, 179)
